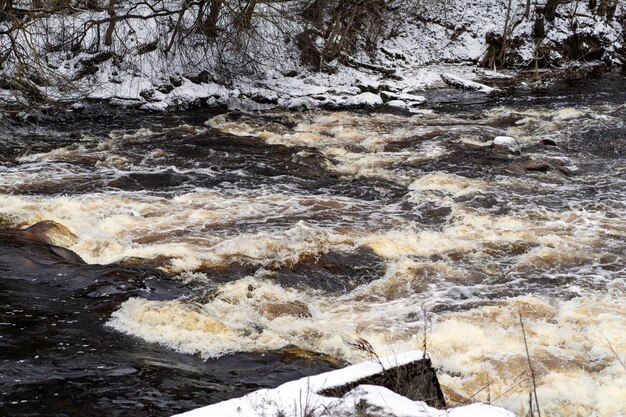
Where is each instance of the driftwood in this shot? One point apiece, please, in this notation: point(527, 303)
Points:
point(351, 62)
point(458, 82)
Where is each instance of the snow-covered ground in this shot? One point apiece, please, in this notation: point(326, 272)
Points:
point(432, 38)
point(301, 398)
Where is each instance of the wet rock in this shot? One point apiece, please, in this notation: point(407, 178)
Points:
point(190, 319)
point(548, 142)
point(265, 97)
point(569, 171)
point(330, 271)
point(416, 380)
point(293, 309)
point(536, 165)
point(52, 233)
point(292, 353)
point(506, 144)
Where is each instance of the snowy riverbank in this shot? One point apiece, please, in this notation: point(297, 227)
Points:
point(303, 397)
point(429, 39)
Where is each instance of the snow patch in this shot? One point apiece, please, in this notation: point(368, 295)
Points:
point(301, 397)
point(509, 143)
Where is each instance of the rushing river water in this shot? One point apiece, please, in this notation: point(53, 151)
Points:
point(312, 230)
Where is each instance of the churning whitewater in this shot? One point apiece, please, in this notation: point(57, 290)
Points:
point(407, 230)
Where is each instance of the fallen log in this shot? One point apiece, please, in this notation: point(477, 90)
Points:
point(458, 82)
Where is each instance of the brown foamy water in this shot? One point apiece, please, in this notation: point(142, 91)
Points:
point(317, 229)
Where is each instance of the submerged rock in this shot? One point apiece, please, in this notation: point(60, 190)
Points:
point(293, 309)
point(292, 353)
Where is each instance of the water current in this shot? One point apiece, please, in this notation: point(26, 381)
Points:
point(228, 252)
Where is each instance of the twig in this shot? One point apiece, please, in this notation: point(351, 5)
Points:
point(614, 352)
point(530, 366)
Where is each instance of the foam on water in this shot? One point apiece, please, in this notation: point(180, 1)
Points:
point(575, 347)
point(459, 251)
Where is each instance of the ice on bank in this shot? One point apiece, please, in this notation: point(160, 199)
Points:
point(304, 397)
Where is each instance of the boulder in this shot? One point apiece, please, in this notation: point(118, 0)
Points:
point(365, 100)
point(532, 165)
point(398, 104)
point(415, 380)
point(548, 142)
point(506, 144)
point(51, 233)
point(537, 165)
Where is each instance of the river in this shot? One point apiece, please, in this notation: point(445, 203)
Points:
point(228, 252)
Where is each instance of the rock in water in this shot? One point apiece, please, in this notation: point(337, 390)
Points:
point(538, 165)
point(51, 233)
point(506, 144)
point(415, 380)
point(406, 380)
point(293, 309)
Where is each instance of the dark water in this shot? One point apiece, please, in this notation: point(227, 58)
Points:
point(58, 358)
point(267, 216)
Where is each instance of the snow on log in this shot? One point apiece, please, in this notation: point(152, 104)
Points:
point(367, 386)
point(459, 82)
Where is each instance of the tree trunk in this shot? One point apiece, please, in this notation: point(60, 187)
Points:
point(505, 33)
point(179, 24)
point(108, 36)
point(92, 5)
point(6, 7)
point(539, 30)
point(314, 13)
point(551, 5)
point(610, 13)
point(245, 20)
point(212, 19)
